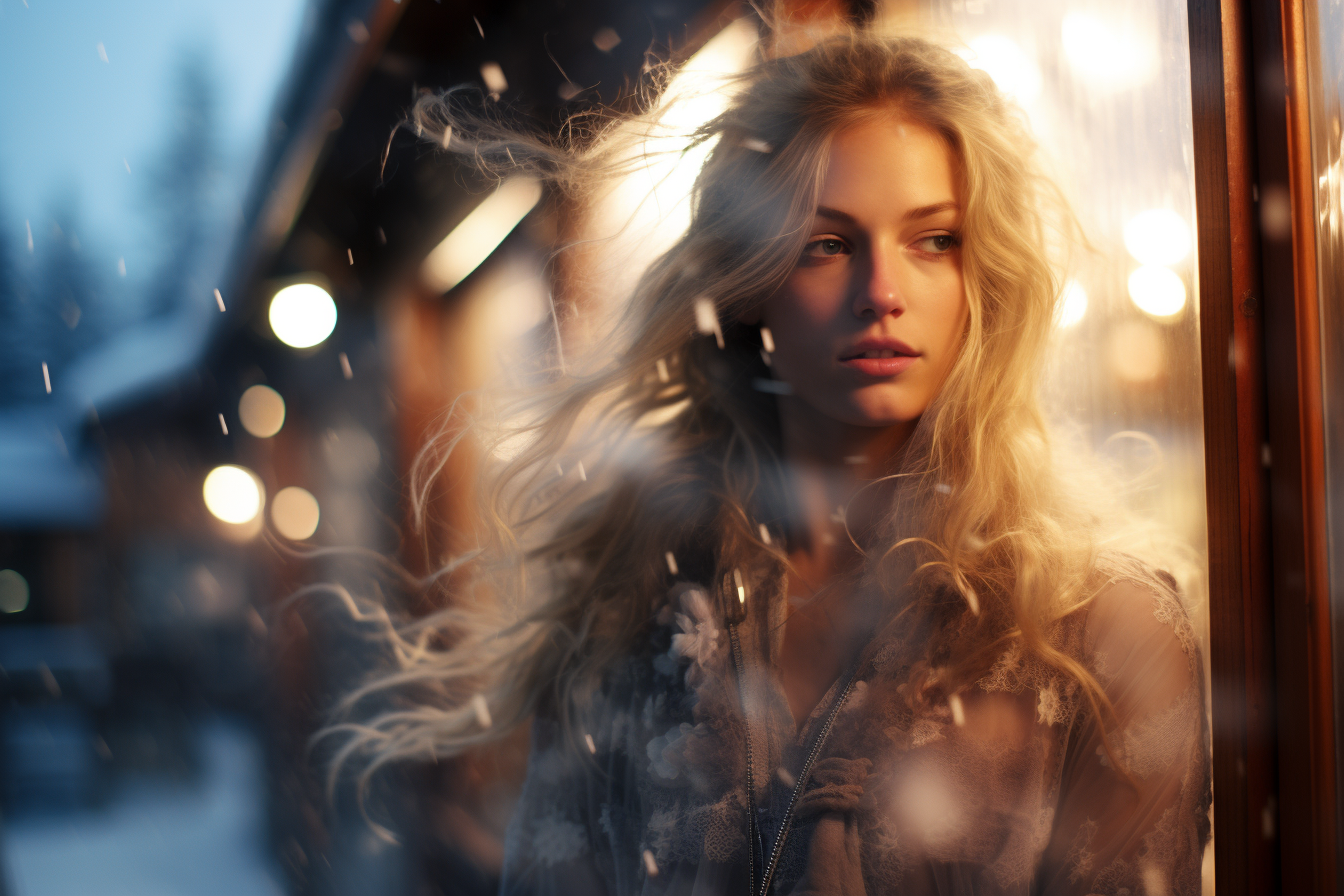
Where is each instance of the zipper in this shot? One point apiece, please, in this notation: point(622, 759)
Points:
point(804, 774)
point(752, 833)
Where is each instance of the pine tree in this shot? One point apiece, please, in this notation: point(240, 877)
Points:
point(183, 184)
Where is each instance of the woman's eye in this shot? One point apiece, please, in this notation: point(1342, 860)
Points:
point(825, 247)
point(939, 243)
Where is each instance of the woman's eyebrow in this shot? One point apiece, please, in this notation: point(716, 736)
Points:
point(923, 211)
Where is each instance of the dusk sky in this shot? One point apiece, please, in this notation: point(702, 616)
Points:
point(73, 122)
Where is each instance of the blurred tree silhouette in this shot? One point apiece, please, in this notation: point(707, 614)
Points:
point(182, 185)
point(53, 316)
point(66, 316)
point(18, 372)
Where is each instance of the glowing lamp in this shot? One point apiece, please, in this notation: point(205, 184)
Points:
point(480, 233)
point(233, 494)
point(302, 315)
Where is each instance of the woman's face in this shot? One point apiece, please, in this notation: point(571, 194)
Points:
point(871, 319)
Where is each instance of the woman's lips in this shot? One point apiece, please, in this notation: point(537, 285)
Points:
point(879, 360)
point(880, 366)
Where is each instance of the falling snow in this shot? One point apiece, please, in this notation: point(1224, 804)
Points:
point(482, 711)
point(494, 79)
point(707, 319)
point(958, 710)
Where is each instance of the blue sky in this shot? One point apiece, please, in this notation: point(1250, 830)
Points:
point(70, 123)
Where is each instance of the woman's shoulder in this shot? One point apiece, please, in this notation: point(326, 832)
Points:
point(1132, 631)
point(1137, 606)
point(1136, 638)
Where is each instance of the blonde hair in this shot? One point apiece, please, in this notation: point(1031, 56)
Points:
point(983, 539)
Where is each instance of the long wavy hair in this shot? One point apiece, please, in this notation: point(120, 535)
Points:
point(664, 463)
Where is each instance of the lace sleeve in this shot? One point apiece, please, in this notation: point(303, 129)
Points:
point(550, 846)
point(1142, 827)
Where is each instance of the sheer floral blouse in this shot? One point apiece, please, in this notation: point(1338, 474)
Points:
point(699, 780)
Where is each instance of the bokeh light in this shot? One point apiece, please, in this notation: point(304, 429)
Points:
point(1072, 305)
point(233, 494)
point(295, 513)
point(13, 592)
point(262, 411)
point(1157, 236)
point(1108, 53)
point(1134, 352)
point(1157, 291)
point(351, 454)
point(1003, 60)
point(302, 315)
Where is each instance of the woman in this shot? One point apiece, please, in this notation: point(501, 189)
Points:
point(792, 590)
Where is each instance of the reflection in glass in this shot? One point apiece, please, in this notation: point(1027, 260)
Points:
point(637, 480)
point(1124, 157)
point(1325, 60)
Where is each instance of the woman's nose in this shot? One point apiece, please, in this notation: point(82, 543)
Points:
point(878, 292)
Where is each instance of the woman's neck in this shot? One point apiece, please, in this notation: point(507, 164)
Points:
point(830, 463)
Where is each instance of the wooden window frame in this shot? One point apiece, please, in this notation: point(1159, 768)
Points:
point(1270, 624)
